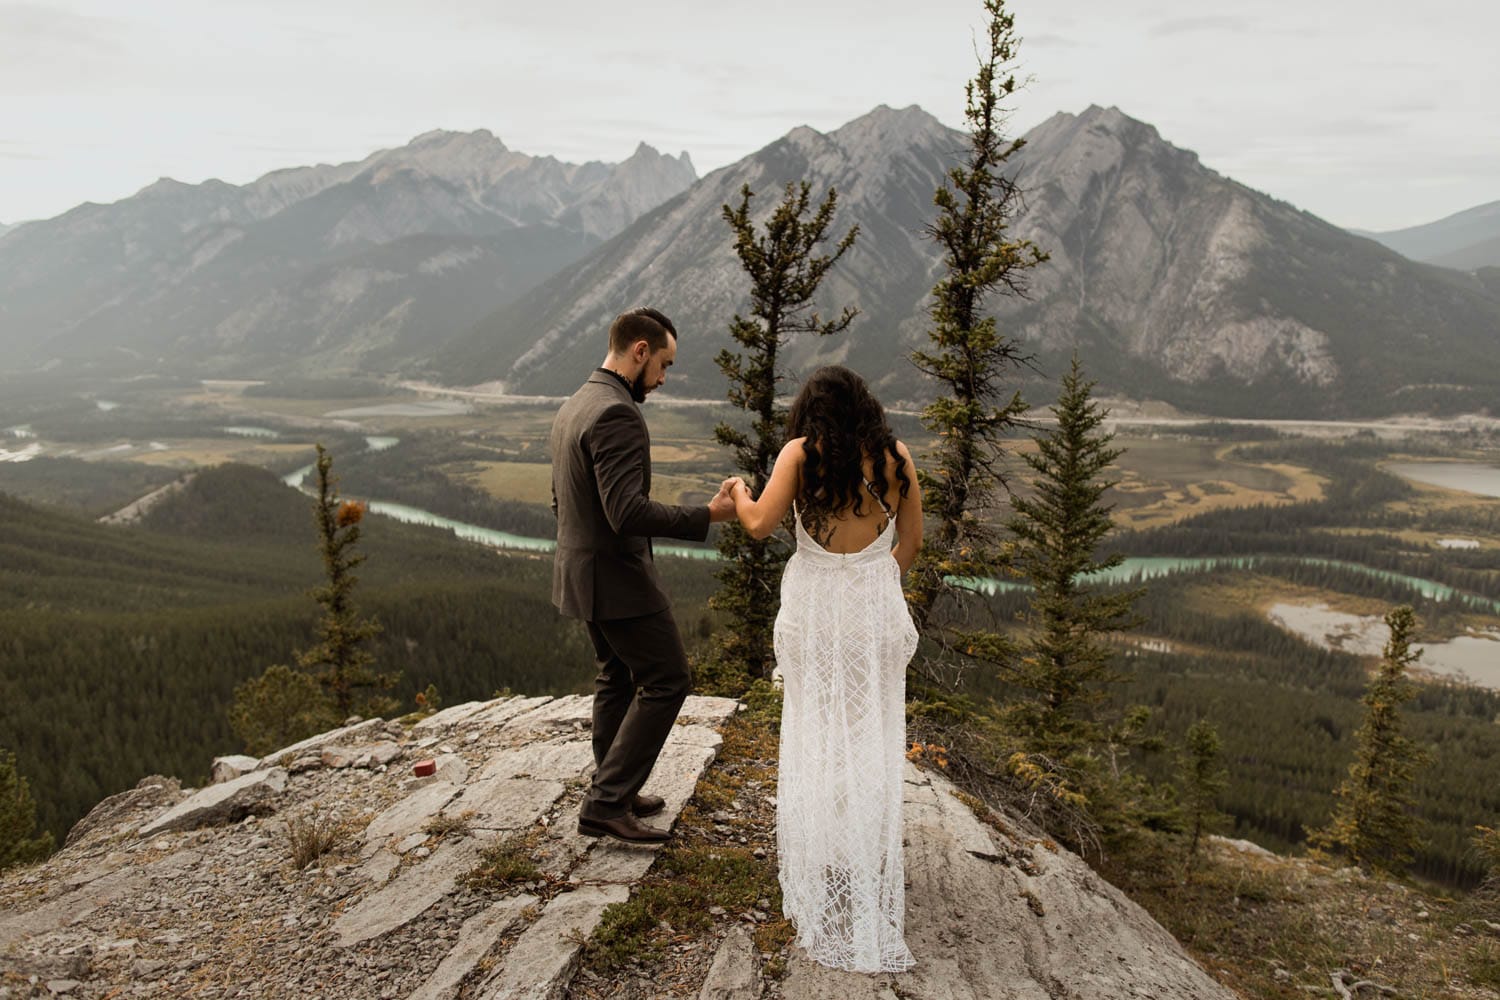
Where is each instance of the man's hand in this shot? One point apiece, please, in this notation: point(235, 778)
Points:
point(721, 507)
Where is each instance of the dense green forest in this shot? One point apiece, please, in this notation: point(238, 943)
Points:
point(1287, 710)
point(120, 647)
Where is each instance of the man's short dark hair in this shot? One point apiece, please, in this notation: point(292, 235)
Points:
point(645, 324)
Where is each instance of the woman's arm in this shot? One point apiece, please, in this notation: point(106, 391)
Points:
point(908, 516)
point(760, 517)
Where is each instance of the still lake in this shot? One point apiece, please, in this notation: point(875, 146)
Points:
point(1471, 477)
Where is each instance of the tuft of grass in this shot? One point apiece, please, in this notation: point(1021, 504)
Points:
point(1482, 964)
point(312, 835)
point(505, 864)
point(443, 824)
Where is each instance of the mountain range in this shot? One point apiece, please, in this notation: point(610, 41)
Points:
point(337, 266)
point(458, 260)
point(1467, 240)
point(1172, 281)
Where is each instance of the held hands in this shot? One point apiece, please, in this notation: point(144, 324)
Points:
point(721, 507)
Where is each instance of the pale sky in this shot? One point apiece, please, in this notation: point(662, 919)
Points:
point(1374, 114)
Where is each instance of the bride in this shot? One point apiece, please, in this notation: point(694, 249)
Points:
point(843, 638)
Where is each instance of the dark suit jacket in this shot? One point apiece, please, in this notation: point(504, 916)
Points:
point(601, 494)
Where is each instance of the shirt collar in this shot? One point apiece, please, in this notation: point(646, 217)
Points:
point(623, 380)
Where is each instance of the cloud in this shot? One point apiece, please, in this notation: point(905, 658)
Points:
point(1186, 25)
point(1048, 41)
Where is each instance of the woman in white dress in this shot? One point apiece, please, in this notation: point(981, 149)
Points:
point(843, 638)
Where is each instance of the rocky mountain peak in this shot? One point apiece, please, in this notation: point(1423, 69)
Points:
point(447, 138)
point(890, 127)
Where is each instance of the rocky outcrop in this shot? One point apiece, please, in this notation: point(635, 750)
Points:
point(994, 909)
point(162, 892)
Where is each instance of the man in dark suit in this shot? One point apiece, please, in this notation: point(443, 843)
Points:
point(604, 573)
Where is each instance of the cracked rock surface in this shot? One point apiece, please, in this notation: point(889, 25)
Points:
point(166, 892)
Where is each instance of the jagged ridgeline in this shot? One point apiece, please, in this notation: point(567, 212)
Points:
point(120, 647)
point(1172, 281)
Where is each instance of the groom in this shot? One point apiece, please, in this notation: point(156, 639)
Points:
point(604, 573)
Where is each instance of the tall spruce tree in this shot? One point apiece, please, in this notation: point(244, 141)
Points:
point(340, 661)
point(19, 844)
point(1066, 666)
point(785, 272)
point(1067, 663)
point(1373, 822)
point(974, 365)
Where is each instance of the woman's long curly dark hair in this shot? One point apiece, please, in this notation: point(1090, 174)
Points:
point(843, 423)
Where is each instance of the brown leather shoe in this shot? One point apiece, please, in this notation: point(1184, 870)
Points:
point(648, 805)
point(625, 828)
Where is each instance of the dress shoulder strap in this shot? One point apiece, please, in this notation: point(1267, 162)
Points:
point(880, 500)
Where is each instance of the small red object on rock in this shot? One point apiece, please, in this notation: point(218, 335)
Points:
point(424, 768)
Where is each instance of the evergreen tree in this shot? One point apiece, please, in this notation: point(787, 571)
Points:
point(1067, 665)
point(785, 273)
point(1203, 779)
point(339, 660)
point(1373, 821)
point(970, 359)
point(279, 708)
point(18, 845)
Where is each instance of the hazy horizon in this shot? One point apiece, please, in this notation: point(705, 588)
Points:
point(1324, 108)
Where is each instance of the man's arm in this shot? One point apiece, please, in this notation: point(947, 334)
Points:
point(618, 447)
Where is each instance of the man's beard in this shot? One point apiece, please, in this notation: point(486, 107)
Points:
point(638, 387)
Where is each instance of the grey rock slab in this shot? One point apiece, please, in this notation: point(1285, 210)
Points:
point(475, 939)
point(811, 981)
point(560, 759)
point(734, 974)
point(250, 794)
point(408, 895)
point(502, 711)
point(613, 862)
point(337, 757)
point(407, 815)
point(560, 713)
point(231, 767)
point(439, 722)
point(506, 803)
point(687, 752)
point(152, 792)
point(693, 734)
point(699, 708)
point(355, 733)
point(973, 929)
point(541, 963)
point(378, 754)
point(379, 867)
point(75, 906)
point(451, 767)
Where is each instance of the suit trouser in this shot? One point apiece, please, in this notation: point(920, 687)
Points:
point(643, 680)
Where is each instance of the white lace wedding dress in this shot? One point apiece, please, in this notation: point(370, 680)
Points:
point(843, 638)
